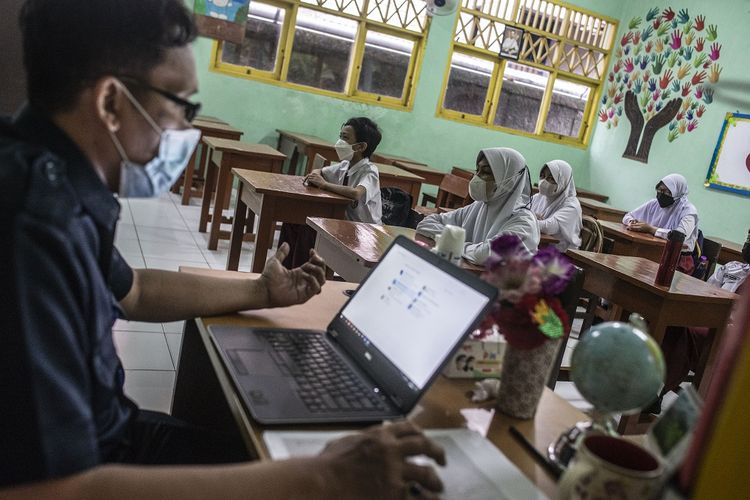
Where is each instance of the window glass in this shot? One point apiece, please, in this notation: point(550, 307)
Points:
point(260, 48)
point(468, 82)
point(385, 64)
point(521, 97)
point(566, 109)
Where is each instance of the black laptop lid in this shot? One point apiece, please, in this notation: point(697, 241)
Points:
point(408, 317)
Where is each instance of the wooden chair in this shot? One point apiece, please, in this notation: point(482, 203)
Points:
point(319, 162)
point(569, 302)
point(452, 193)
point(592, 236)
point(711, 249)
point(462, 172)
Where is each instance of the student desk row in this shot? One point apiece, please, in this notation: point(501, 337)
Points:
point(628, 282)
point(205, 395)
point(352, 249)
point(208, 127)
point(226, 155)
point(601, 210)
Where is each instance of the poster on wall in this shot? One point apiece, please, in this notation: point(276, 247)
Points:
point(222, 19)
point(730, 164)
point(666, 64)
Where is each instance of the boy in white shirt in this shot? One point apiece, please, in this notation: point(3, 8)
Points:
point(355, 177)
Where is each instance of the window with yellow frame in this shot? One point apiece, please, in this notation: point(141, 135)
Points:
point(364, 50)
point(550, 90)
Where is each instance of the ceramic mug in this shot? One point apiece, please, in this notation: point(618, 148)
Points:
point(611, 467)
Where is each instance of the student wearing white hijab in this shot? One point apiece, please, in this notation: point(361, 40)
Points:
point(502, 190)
point(556, 206)
point(671, 210)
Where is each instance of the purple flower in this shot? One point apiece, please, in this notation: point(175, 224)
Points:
point(556, 270)
point(506, 245)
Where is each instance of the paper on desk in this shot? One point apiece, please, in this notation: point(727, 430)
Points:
point(476, 470)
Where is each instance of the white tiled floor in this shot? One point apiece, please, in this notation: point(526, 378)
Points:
point(163, 234)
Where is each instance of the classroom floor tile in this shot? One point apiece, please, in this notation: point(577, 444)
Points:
point(151, 389)
point(143, 350)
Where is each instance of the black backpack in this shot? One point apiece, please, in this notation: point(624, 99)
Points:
point(397, 208)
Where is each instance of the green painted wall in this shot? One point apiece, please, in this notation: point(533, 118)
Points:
point(259, 109)
point(630, 183)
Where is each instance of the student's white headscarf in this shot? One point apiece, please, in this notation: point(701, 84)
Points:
point(512, 192)
point(564, 205)
point(671, 216)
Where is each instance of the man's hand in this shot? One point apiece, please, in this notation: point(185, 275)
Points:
point(373, 464)
point(641, 227)
point(316, 179)
point(287, 288)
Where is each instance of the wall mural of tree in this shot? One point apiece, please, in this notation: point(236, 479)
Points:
point(662, 76)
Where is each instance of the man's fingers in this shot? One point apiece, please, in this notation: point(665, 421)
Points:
point(423, 475)
point(421, 445)
point(311, 282)
point(316, 272)
point(282, 252)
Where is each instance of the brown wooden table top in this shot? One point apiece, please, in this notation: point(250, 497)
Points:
point(289, 186)
point(620, 230)
point(731, 246)
point(368, 242)
point(642, 273)
point(207, 118)
point(417, 167)
point(308, 140)
point(598, 205)
point(209, 126)
point(386, 170)
point(379, 157)
point(580, 193)
point(446, 404)
point(230, 145)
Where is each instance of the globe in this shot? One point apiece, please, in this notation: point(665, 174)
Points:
point(617, 367)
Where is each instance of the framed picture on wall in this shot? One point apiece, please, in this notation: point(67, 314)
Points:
point(512, 39)
point(221, 19)
point(730, 165)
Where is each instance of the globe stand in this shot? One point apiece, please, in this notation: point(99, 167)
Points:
point(561, 451)
point(595, 370)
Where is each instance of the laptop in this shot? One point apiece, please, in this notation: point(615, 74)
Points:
point(377, 357)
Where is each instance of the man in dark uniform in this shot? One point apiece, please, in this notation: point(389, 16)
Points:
point(109, 83)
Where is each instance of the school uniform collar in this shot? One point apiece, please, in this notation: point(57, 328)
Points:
point(353, 169)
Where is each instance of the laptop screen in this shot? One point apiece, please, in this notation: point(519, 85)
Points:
point(413, 312)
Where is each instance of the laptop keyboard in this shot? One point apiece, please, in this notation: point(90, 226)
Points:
point(325, 383)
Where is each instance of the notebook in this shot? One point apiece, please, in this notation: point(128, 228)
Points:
point(378, 355)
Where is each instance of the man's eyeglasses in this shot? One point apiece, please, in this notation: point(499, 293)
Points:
point(191, 109)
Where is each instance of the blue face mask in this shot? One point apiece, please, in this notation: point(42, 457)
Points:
point(158, 175)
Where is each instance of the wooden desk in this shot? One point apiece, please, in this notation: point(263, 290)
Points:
point(226, 155)
point(206, 118)
point(207, 128)
point(633, 243)
point(545, 240)
point(353, 248)
point(391, 176)
point(600, 210)
point(629, 283)
point(430, 175)
point(293, 144)
point(729, 250)
point(580, 193)
point(205, 395)
point(275, 198)
point(392, 159)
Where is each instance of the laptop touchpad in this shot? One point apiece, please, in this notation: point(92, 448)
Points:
point(252, 362)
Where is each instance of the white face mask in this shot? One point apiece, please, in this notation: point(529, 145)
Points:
point(344, 150)
point(158, 175)
point(480, 189)
point(546, 188)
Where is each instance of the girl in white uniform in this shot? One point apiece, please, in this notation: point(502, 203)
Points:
point(502, 190)
point(556, 206)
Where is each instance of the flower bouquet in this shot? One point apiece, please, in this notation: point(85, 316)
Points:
point(530, 316)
